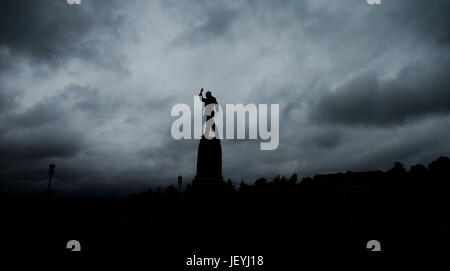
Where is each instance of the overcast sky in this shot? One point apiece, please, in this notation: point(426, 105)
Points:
point(90, 87)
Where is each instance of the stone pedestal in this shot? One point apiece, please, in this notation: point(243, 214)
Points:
point(209, 165)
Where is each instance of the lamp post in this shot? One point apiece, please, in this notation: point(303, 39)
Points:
point(51, 172)
point(180, 181)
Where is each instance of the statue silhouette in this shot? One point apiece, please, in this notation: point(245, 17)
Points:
point(209, 100)
point(209, 157)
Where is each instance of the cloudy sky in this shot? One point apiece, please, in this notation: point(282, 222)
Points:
point(90, 87)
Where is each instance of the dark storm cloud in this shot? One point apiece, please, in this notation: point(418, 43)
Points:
point(427, 20)
point(420, 143)
point(8, 100)
point(89, 102)
point(216, 22)
point(43, 143)
point(45, 129)
point(359, 86)
point(325, 139)
point(50, 31)
point(58, 110)
point(418, 91)
point(48, 131)
point(45, 112)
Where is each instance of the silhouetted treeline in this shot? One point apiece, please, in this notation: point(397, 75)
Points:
point(407, 210)
point(282, 218)
point(396, 182)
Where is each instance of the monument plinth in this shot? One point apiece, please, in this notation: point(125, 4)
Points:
point(209, 164)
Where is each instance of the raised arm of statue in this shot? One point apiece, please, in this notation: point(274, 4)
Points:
point(200, 96)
